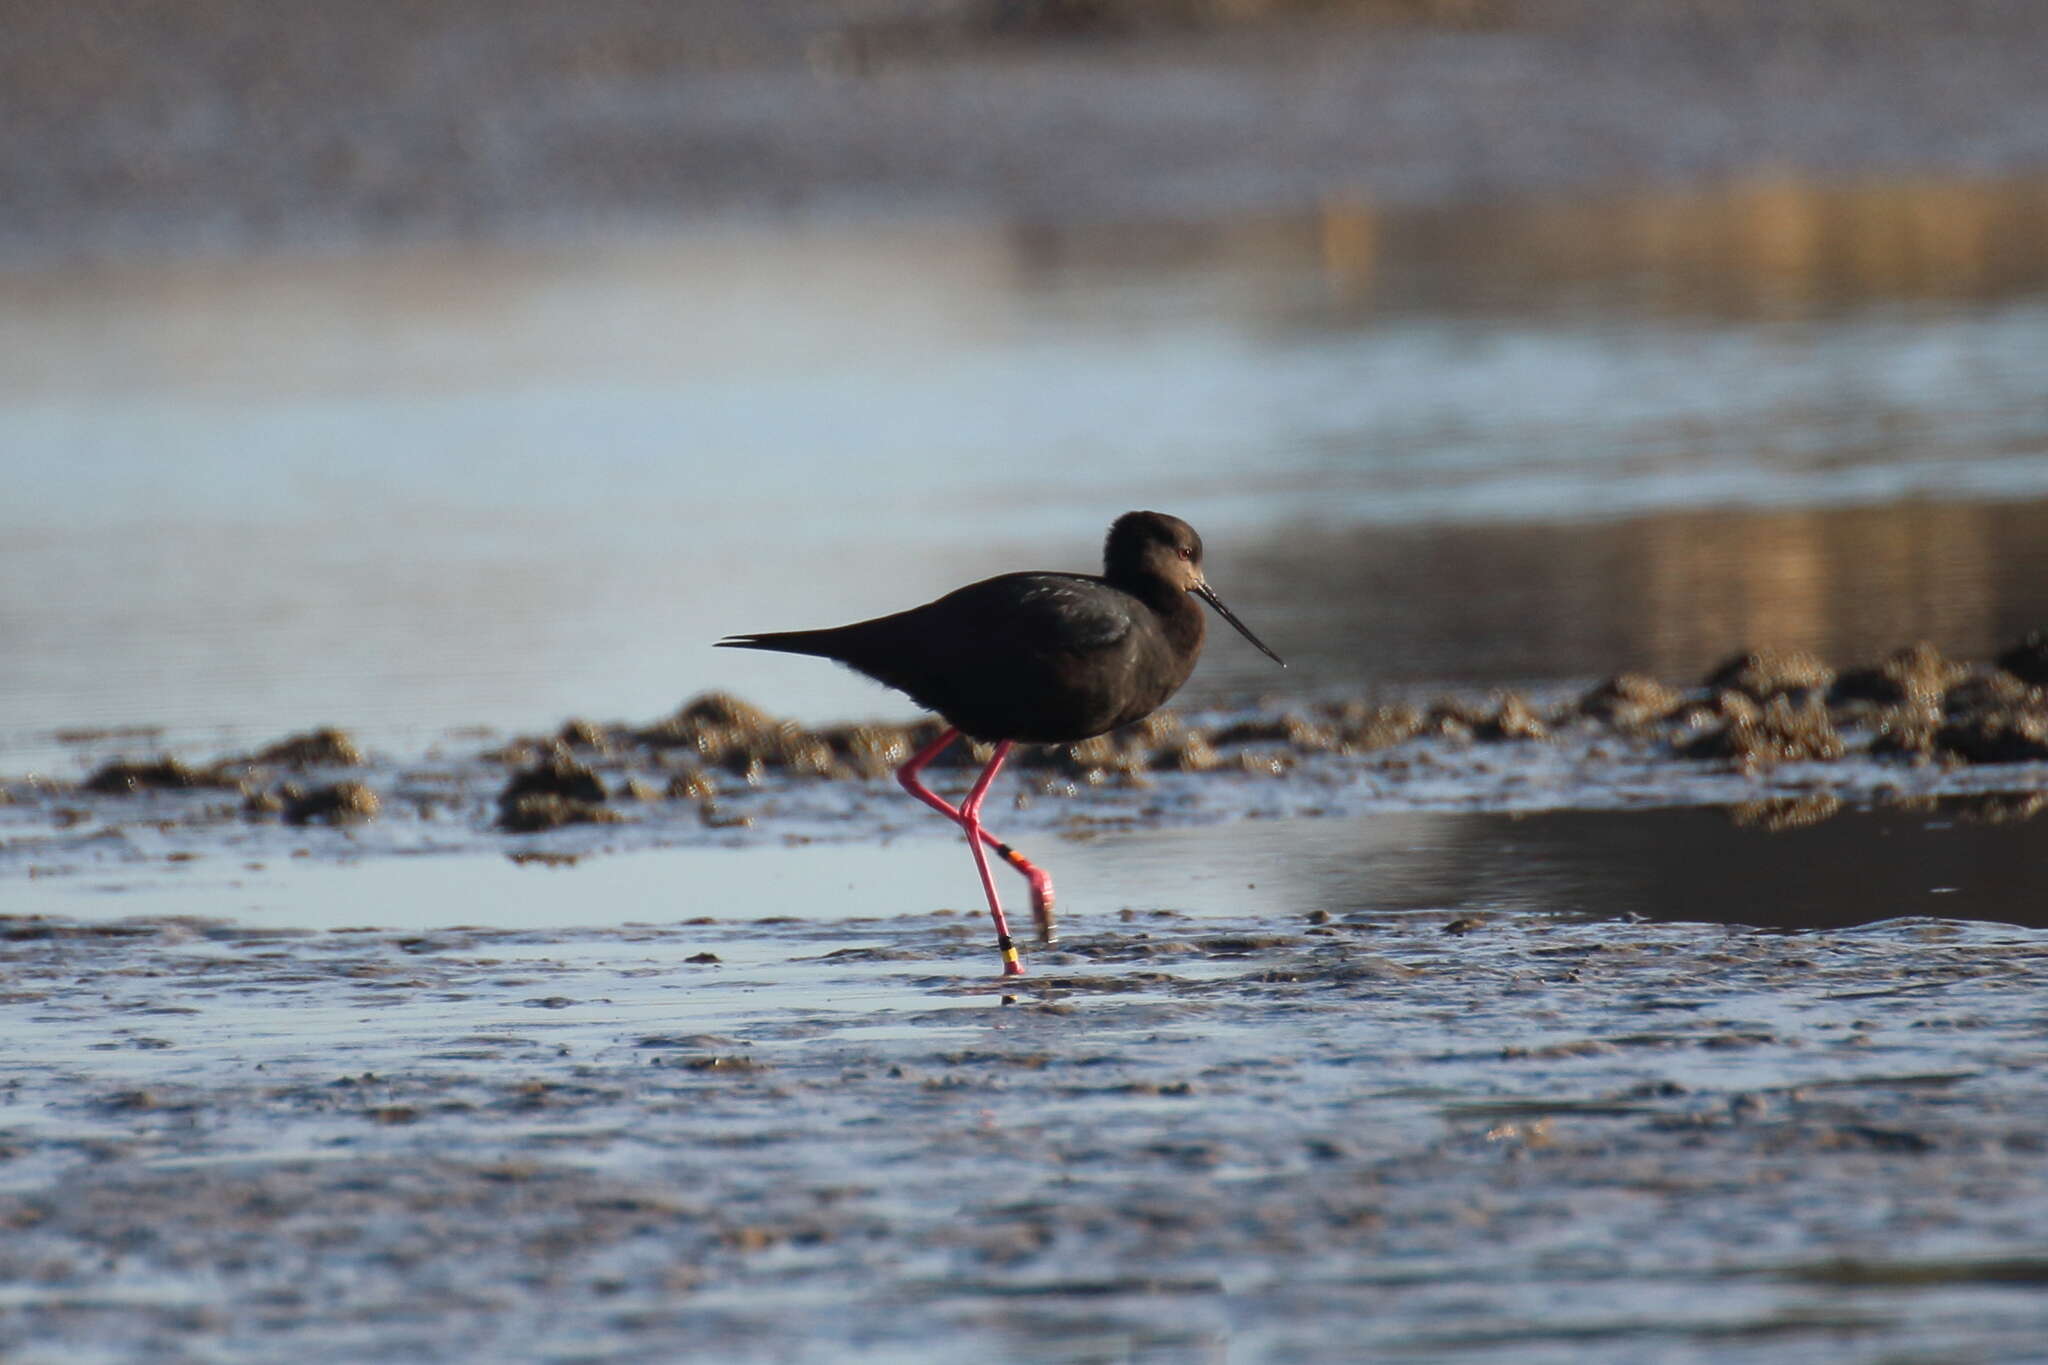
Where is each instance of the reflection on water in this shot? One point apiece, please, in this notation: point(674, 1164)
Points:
point(1763, 248)
point(1514, 441)
point(1779, 866)
point(1959, 861)
point(1669, 594)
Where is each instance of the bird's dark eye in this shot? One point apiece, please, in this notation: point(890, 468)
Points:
point(1186, 552)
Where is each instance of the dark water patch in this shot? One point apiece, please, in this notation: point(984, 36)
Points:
point(1917, 1274)
point(1650, 1334)
point(1856, 867)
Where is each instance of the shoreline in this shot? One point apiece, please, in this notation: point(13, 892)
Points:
point(1779, 739)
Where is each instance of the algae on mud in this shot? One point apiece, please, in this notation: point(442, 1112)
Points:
point(1763, 726)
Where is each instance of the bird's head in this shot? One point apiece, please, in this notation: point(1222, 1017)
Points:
point(1146, 548)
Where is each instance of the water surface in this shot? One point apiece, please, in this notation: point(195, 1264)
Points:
point(1522, 441)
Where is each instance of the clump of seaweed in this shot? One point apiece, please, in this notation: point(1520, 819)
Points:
point(341, 803)
point(326, 747)
point(1782, 732)
point(2008, 736)
point(1630, 702)
point(1762, 674)
point(1917, 675)
point(552, 794)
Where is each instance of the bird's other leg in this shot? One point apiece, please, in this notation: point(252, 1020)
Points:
point(1040, 879)
point(970, 820)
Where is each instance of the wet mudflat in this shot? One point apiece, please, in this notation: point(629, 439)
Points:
point(1422, 1134)
point(1421, 1083)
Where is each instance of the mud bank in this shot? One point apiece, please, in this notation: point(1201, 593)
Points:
point(1783, 737)
point(1361, 1131)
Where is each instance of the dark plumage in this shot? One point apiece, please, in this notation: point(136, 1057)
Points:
point(1044, 658)
point(1040, 658)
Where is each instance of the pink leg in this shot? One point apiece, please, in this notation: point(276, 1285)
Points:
point(1040, 879)
point(970, 820)
point(1041, 883)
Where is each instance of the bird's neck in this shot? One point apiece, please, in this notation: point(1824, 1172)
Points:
point(1180, 616)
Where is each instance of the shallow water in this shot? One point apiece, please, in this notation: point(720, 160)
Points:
point(1519, 441)
point(1650, 1083)
point(1567, 1049)
point(1973, 858)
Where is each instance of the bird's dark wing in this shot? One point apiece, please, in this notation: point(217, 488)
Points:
point(1020, 617)
point(1054, 612)
point(1025, 655)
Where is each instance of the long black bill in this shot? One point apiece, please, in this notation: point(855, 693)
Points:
point(1208, 594)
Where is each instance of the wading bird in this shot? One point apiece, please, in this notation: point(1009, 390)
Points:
point(1035, 658)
